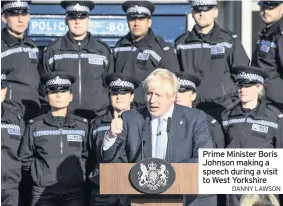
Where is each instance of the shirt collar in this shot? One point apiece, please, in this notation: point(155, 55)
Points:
point(167, 114)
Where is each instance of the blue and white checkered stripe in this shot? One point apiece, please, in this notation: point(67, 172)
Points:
point(125, 49)
point(185, 82)
point(12, 129)
point(250, 77)
point(18, 50)
point(249, 120)
point(58, 132)
point(77, 8)
point(76, 56)
point(204, 45)
point(138, 9)
point(99, 129)
point(15, 5)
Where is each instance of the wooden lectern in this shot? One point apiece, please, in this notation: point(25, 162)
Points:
point(114, 179)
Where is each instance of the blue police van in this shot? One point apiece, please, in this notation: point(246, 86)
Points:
point(108, 22)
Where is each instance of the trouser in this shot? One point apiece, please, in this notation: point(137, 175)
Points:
point(10, 197)
point(107, 200)
point(49, 197)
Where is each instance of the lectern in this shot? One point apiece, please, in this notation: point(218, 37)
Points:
point(114, 179)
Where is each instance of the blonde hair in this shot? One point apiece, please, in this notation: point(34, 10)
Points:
point(164, 79)
point(259, 200)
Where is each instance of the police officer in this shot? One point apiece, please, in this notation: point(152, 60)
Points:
point(210, 52)
point(140, 51)
point(268, 54)
point(121, 94)
point(54, 147)
point(187, 95)
point(87, 58)
point(12, 128)
point(21, 54)
point(252, 123)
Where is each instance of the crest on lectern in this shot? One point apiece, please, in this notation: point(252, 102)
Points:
point(152, 176)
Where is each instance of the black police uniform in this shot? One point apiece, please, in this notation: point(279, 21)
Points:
point(268, 55)
point(119, 83)
point(261, 127)
point(89, 60)
point(191, 82)
point(22, 55)
point(210, 57)
point(54, 151)
point(140, 58)
point(12, 128)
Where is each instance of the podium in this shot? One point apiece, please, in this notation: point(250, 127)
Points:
point(114, 180)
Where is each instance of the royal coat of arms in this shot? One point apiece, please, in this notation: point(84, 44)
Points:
point(152, 177)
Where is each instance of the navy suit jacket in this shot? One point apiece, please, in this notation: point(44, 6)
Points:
point(189, 132)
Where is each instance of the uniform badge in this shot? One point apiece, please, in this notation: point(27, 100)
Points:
point(217, 50)
point(96, 61)
point(33, 55)
point(74, 138)
point(142, 56)
point(259, 128)
point(13, 131)
point(264, 48)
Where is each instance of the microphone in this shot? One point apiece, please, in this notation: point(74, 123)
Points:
point(144, 127)
point(168, 128)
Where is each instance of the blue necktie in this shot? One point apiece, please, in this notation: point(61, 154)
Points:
point(159, 146)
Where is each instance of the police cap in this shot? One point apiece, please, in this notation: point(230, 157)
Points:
point(57, 81)
point(138, 9)
point(15, 7)
point(4, 73)
point(203, 5)
point(77, 8)
point(269, 4)
point(118, 82)
point(187, 81)
point(249, 75)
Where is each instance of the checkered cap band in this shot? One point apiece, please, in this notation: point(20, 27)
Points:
point(203, 3)
point(186, 83)
point(122, 84)
point(250, 77)
point(15, 4)
point(58, 81)
point(77, 8)
point(139, 10)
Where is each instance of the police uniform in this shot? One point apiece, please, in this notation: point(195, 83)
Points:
point(22, 55)
point(88, 60)
point(268, 55)
point(191, 82)
point(54, 151)
point(12, 128)
point(118, 83)
point(261, 127)
point(210, 57)
point(140, 58)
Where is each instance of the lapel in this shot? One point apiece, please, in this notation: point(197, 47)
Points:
point(172, 145)
point(145, 132)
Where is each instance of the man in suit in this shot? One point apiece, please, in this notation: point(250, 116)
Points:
point(148, 125)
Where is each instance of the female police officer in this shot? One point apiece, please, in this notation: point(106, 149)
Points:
point(251, 123)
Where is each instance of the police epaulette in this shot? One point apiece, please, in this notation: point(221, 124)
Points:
point(105, 44)
point(181, 36)
point(81, 119)
point(213, 121)
point(232, 34)
point(275, 110)
point(164, 45)
point(31, 121)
